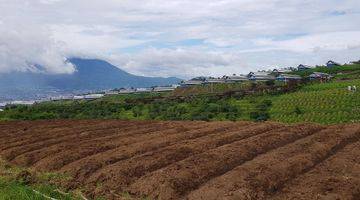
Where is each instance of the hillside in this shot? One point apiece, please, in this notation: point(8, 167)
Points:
point(325, 103)
point(94, 74)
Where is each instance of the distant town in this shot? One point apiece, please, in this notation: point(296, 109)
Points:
point(281, 74)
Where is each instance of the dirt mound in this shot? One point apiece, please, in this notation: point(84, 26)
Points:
point(191, 160)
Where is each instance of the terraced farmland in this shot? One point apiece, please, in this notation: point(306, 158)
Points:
point(191, 160)
point(328, 103)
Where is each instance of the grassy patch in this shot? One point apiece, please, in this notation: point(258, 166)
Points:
point(21, 184)
point(328, 103)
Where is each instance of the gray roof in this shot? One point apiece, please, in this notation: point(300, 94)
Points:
point(289, 76)
point(319, 74)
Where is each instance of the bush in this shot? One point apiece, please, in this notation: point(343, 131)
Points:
point(298, 111)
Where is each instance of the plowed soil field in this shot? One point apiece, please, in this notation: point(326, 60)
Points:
point(191, 160)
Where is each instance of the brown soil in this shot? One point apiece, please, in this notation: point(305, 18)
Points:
point(191, 160)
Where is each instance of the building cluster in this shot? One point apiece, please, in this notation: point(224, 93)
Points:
point(2, 106)
point(93, 96)
point(125, 91)
point(283, 74)
point(5, 104)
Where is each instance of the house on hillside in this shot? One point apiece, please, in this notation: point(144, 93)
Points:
point(67, 98)
point(55, 98)
point(281, 71)
point(331, 63)
point(126, 90)
point(111, 92)
point(260, 76)
point(320, 76)
point(2, 105)
point(60, 98)
point(165, 88)
point(194, 81)
point(1, 110)
point(302, 67)
point(93, 96)
point(79, 97)
point(143, 90)
point(288, 77)
point(355, 62)
point(235, 78)
point(25, 103)
point(212, 80)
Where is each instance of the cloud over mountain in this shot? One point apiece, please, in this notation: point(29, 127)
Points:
point(178, 37)
point(25, 45)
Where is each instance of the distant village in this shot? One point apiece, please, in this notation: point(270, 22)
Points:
point(282, 74)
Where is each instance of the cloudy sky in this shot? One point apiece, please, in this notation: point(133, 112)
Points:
point(181, 38)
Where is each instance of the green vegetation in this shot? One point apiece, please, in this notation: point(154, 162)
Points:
point(345, 71)
point(18, 183)
point(325, 103)
point(211, 89)
point(10, 190)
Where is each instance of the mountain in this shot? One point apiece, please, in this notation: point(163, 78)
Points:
point(90, 74)
point(97, 74)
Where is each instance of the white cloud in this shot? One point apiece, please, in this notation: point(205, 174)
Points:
point(145, 36)
point(23, 45)
point(316, 42)
point(183, 63)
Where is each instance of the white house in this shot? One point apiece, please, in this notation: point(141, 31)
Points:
point(320, 76)
point(142, 90)
point(302, 67)
point(126, 91)
point(212, 80)
point(331, 63)
point(281, 71)
point(288, 77)
point(355, 62)
point(2, 105)
point(79, 97)
point(194, 81)
point(260, 76)
point(165, 88)
point(234, 78)
point(26, 103)
point(59, 98)
point(111, 92)
point(93, 96)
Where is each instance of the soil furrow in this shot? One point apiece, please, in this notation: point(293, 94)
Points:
point(29, 133)
point(103, 154)
point(16, 130)
point(58, 133)
point(124, 172)
point(177, 179)
point(79, 144)
point(13, 152)
point(74, 152)
point(266, 174)
point(191, 159)
point(336, 178)
point(83, 168)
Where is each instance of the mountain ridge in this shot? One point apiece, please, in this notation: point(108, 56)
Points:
point(90, 75)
